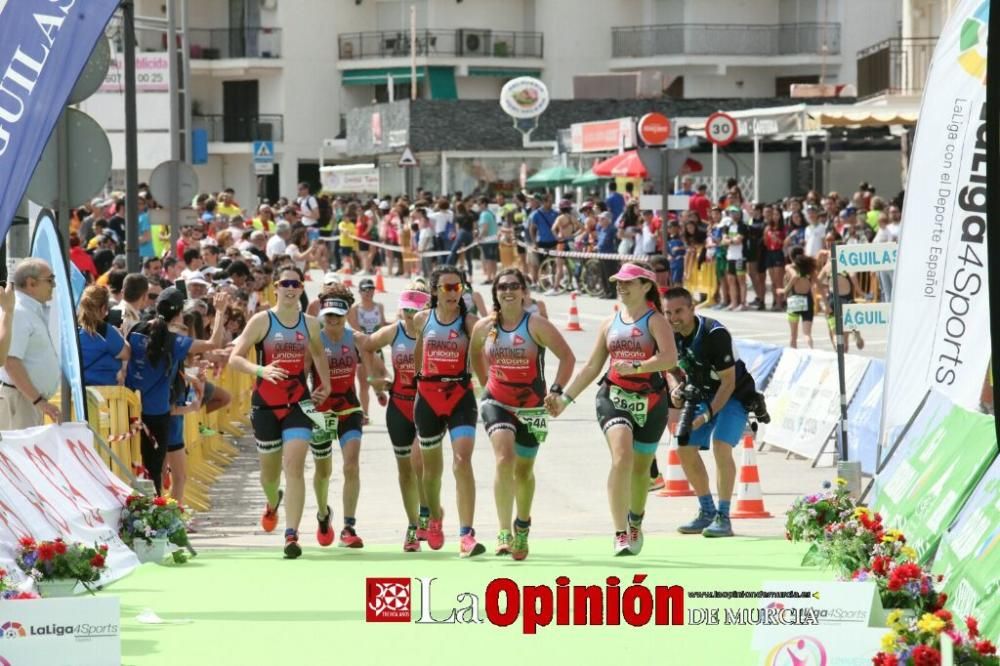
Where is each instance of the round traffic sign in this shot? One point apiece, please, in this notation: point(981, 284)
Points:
point(89, 153)
point(187, 183)
point(721, 129)
point(654, 129)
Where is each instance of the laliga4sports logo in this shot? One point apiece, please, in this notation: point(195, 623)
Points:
point(972, 42)
point(798, 651)
point(12, 630)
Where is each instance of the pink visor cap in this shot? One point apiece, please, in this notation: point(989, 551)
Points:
point(413, 300)
point(633, 272)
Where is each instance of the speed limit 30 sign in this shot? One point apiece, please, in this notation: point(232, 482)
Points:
point(720, 129)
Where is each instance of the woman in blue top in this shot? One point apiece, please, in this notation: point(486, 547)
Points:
point(157, 354)
point(103, 352)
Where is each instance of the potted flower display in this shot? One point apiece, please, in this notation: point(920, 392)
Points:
point(918, 642)
point(150, 524)
point(58, 566)
point(9, 591)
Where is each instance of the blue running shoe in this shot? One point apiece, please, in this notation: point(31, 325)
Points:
point(698, 525)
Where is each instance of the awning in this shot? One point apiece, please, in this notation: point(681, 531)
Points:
point(864, 115)
point(553, 176)
point(503, 73)
point(378, 76)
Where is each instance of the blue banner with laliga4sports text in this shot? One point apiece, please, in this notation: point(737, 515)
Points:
point(44, 45)
point(45, 244)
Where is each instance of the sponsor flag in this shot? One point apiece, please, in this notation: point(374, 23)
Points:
point(44, 46)
point(939, 334)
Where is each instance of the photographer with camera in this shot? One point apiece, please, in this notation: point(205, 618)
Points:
point(715, 398)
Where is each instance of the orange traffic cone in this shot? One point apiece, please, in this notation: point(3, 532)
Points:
point(346, 271)
point(379, 284)
point(675, 480)
point(574, 315)
point(749, 499)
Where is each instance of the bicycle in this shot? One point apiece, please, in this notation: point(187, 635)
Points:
point(583, 275)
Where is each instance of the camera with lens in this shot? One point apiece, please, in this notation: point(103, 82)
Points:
point(758, 407)
point(692, 396)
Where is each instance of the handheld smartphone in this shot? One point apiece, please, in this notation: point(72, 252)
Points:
point(181, 286)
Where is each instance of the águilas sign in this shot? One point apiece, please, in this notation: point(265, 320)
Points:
point(524, 97)
point(654, 129)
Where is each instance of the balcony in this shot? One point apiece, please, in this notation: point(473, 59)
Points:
point(718, 39)
point(222, 43)
point(461, 43)
point(895, 66)
point(240, 129)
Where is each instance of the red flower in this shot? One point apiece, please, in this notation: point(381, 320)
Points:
point(924, 655)
point(46, 551)
point(894, 584)
point(942, 599)
point(97, 561)
point(60, 547)
point(160, 501)
point(883, 659)
point(985, 647)
point(973, 625)
point(880, 565)
point(27, 542)
point(3, 573)
point(944, 615)
point(103, 548)
point(26, 595)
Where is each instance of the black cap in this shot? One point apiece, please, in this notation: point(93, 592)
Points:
point(170, 302)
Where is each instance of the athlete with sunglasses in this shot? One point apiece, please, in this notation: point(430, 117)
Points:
point(514, 342)
point(284, 338)
point(445, 402)
point(401, 338)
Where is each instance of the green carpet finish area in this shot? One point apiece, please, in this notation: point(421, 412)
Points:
point(250, 607)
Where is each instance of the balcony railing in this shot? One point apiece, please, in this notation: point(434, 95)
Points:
point(895, 66)
point(218, 43)
point(241, 129)
point(464, 42)
point(717, 39)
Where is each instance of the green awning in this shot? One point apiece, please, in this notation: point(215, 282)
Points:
point(378, 76)
point(503, 73)
point(588, 179)
point(553, 176)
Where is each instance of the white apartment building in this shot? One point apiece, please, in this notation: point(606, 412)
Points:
point(288, 71)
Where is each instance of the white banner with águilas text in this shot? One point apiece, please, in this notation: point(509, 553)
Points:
point(939, 333)
point(53, 484)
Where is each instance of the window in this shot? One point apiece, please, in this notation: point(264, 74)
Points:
point(400, 91)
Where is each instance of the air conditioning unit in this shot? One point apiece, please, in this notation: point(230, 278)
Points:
point(475, 42)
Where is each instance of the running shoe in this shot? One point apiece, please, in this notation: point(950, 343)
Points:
point(720, 527)
point(435, 532)
point(622, 545)
point(504, 541)
point(422, 527)
point(657, 483)
point(292, 548)
point(349, 538)
point(698, 525)
point(411, 544)
point(859, 342)
point(269, 520)
point(635, 538)
point(519, 550)
point(469, 547)
point(324, 533)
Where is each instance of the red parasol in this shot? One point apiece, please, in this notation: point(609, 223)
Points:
point(624, 165)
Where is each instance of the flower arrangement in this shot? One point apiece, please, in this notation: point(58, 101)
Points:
point(147, 518)
point(8, 592)
point(847, 545)
point(810, 515)
point(917, 641)
point(58, 560)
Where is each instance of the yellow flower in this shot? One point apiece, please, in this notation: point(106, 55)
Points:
point(908, 552)
point(892, 621)
point(891, 535)
point(860, 511)
point(171, 502)
point(930, 623)
point(889, 642)
point(841, 481)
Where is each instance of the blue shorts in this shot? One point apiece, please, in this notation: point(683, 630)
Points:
point(175, 441)
point(726, 426)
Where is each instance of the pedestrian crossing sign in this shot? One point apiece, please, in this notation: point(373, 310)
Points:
point(263, 151)
point(408, 159)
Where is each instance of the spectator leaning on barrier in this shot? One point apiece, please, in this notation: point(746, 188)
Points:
point(30, 374)
point(103, 351)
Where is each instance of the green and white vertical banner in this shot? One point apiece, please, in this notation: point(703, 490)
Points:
point(939, 336)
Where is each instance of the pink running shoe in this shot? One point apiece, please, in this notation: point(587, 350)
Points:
point(469, 547)
point(350, 539)
point(435, 533)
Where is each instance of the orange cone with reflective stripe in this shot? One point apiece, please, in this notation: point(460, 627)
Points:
point(379, 284)
point(574, 315)
point(749, 499)
point(675, 483)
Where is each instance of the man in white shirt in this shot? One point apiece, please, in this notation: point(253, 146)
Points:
point(277, 243)
point(31, 373)
point(895, 219)
point(815, 232)
point(884, 235)
point(308, 206)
